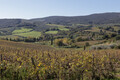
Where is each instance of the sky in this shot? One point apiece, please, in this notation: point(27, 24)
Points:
point(28, 9)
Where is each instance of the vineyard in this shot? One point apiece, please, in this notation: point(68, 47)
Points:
point(28, 61)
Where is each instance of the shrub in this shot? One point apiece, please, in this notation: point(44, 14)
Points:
point(117, 47)
point(59, 42)
point(87, 44)
point(78, 39)
point(117, 37)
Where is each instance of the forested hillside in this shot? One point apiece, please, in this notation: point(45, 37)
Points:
point(103, 18)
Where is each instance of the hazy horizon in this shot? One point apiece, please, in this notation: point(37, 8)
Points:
point(29, 9)
point(59, 15)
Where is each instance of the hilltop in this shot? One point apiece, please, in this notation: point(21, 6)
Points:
point(101, 18)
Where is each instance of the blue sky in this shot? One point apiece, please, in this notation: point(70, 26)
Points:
point(42, 8)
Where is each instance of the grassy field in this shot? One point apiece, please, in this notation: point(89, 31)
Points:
point(116, 28)
point(30, 61)
point(29, 34)
point(25, 32)
point(94, 29)
point(60, 27)
point(51, 32)
point(63, 29)
point(22, 30)
point(10, 36)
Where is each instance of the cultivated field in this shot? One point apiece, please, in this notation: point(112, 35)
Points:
point(22, 30)
point(28, 61)
point(25, 32)
point(60, 27)
point(51, 32)
point(29, 34)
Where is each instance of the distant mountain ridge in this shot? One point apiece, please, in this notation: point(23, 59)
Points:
point(101, 18)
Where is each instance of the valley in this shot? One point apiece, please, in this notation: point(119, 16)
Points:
point(61, 48)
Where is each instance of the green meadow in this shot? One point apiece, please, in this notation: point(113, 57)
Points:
point(22, 30)
point(60, 27)
point(29, 34)
point(51, 32)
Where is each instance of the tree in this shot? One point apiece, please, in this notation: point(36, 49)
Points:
point(117, 38)
point(87, 44)
point(118, 31)
point(78, 39)
point(66, 41)
point(59, 42)
point(106, 37)
point(113, 35)
point(51, 40)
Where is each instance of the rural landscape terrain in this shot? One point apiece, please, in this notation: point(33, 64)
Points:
point(61, 48)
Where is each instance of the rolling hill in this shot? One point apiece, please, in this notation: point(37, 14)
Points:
point(103, 18)
point(55, 23)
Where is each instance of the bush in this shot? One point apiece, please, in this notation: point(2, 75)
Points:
point(87, 44)
point(117, 47)
point(59, 42)
point(117, 37)
point(78, 39)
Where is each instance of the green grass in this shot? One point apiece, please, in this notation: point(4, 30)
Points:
point(22, 30)
point(80, 25)
point(9, 36)
point(116, 28)
point(29, 34)
point(51, 32)
point(25, 32)
point(60, 27)
point(63, 29)
point(55, 25)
